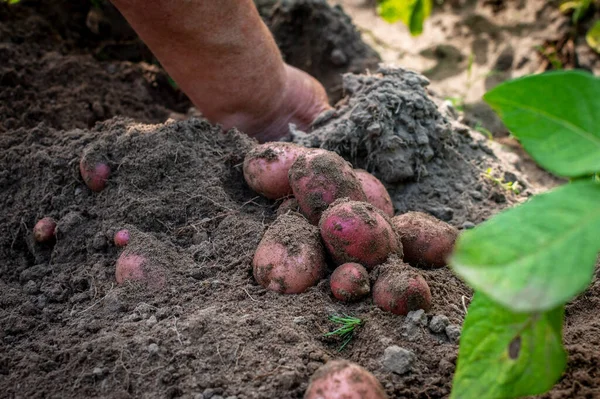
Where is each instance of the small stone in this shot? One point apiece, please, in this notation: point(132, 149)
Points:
point(468, 225)
point(153, 349)
point(438, 323)
point(151, 321)
point(453, 333)
point(208, 393)
point(231, 397)
point(417, 317)
point(398, 360)
point(97, 371)
point(198, 396)
point(217, 397)
point(413, 322)
point(30, 287)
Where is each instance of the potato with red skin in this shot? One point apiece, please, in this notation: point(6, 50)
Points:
point(131, 266)
point(318, 178)
point(266, 168)
point(341, 379)
point(427, 241)
point(44, 230)
point(400, 289)
point(121, 238)
point(289, 205)
point(350, 282)
point(376, 192)
point(290, 257)
point(358, 232)
point(94, 172)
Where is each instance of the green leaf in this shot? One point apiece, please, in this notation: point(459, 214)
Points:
point(537, 255)
point(555, 117)
point(593, 37)
point(507, 355)
point(412, 12)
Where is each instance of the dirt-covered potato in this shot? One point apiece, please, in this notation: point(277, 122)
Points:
point(44, 230)
point(289, 205)
point(376, 192)
point(134, 267)
point(318, 178)
point(94, 170)
point(350, 282)
point(400, 289)
point(358, 232)
point(290, 257)
point(266, 168)
point(427, 241)
point(341, 379)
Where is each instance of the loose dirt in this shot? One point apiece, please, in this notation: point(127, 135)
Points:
point(67, 330)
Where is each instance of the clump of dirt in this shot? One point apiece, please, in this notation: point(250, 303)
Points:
point(319, 39)
point(391, 126)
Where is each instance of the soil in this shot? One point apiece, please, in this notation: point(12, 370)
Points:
point(69, 331)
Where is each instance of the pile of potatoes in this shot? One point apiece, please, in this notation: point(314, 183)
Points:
point(332, 213)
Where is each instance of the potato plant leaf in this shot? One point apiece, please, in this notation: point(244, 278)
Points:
point(555, 117)
point(412, 12)
point(507, 355)
point(593, 37)
point(538, 255)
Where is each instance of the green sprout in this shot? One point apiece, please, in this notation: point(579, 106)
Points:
point(508, 186)
point(483, 130)
point(346, 330)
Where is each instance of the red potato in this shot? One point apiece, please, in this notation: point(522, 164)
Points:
point(376, 192)
point(341, 379)
point(399, 289)
point(358, 232)
point(290, 257)
point(266, 168)
point(134, 267)
point(427, 241)
point(289, 205)
point(44, 230)
point(350, 282)
point(94, 173)
point(318, 178)
point(122, 238)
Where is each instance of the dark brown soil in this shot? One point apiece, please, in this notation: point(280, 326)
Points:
point(67, 330)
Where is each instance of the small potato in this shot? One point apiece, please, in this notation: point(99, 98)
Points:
point(376, 192)
point(290, 257)
point(122, 238)
point(266, 168)
point(289, 205)
point(341, 379)
point(94, 172)
point(44, 230)
point(350, 282)
point(318, 178)
point(399, 289)
point(134, 267)
point(427, 241)
point(358, 232)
